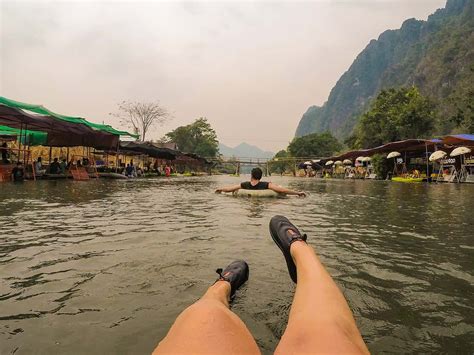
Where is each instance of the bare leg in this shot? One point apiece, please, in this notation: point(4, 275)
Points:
point(320, 320)
point(209, 327)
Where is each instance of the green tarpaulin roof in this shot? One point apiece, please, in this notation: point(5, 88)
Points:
point(79, 120)
point(27, 137)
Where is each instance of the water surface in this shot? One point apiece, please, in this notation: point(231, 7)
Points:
point(103, 267)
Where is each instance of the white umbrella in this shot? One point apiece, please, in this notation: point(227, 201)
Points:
point(316, 161)
point(329, 162)
point(439, 154)
point(367, 159)
point(338, 162)
point(360, 159)
point(460, 151)
point(307, 163)
point(347, 162)
point(393, 155)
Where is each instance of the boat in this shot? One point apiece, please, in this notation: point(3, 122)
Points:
point(407, 179)
point(112, 176)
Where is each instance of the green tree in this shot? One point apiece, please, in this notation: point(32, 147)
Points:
point(198, 138)
point(464, 116)
point(316, 144)
point(280, 162)
point(395, 114)
point(381, 165)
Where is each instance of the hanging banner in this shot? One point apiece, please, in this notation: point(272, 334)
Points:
point(449, 161)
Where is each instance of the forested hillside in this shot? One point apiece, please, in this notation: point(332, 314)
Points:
point(436, 56)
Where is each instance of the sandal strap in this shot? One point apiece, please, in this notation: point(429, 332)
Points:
point(299, 237)
point(221, 277)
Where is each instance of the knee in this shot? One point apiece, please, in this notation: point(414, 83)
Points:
point(205, 310)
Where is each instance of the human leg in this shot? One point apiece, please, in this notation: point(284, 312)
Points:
point(320, 320)
point(208, 326)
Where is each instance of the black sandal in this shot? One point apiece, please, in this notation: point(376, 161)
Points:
point(279, 227)
point(236, 273)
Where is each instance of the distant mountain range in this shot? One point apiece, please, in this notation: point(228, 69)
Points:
point(436, 55)
point(244, 150)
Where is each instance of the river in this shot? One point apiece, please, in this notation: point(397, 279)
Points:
point(104, 267)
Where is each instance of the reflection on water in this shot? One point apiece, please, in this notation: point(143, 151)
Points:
point(106, 266)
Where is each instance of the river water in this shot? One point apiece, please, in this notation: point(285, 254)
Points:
point(104, 267)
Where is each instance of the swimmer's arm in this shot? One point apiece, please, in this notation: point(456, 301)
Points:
point(283, 190)
point(228, 189)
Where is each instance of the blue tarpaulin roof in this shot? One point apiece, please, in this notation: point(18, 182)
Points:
point(459, 139)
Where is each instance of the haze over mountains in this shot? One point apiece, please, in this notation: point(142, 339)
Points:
point(436, 55)
point(244, 150)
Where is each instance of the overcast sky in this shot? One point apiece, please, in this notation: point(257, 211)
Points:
point(251, 68)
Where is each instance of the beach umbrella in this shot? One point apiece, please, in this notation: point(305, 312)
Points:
point(347, 162)
point(329, 162)
point(439, 154)
point(338, 162)
point(460, 151)
point(360, 159)
point(393, 155)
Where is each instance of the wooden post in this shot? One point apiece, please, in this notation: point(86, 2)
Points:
point(19, 144)
point(427, 163)
point(116, 158)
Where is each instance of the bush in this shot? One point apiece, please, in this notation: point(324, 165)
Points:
point(380, 165)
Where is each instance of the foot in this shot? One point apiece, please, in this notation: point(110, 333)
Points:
point(236, 273)
point(284, 233)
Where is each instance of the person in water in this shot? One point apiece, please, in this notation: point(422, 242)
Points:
point(320, 320)
point(18, 173)
point(256, 184)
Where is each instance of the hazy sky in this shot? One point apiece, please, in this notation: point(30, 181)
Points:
point(251, 68)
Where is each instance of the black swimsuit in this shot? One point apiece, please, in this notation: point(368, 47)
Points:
point(262, 185)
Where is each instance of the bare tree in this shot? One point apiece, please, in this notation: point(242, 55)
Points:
point(141, 116)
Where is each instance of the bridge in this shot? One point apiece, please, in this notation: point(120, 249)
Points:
point(263, 163)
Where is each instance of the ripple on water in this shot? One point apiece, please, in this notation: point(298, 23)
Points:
point(108, 265)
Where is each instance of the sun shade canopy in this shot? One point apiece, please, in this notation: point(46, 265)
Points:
point(27, 137)
point(460, 151)
point(439, 154)
point(76, 120)
point(149, 149)
point(406, 145)
point(393, 155)
point(456, 139)
point(59, 133)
